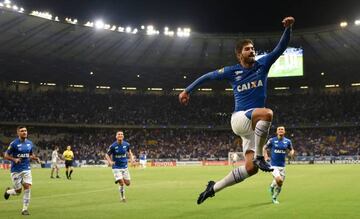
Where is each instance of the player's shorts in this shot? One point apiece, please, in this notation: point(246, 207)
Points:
point(278, 171)
point(121, 174)
point(242, 126)
point(68, 163)
point(142, 162)
point(54, 164)
point(20, 178)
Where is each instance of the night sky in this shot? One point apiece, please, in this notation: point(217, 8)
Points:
point(205, 16)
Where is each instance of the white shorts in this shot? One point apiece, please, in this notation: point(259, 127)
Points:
point(278, 171)
point(121, 174)
point(54, 164)
point(19, 179)
point(242, 126)
point(142, 162)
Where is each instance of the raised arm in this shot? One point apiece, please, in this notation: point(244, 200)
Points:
point(283, 43)
point(214, 75)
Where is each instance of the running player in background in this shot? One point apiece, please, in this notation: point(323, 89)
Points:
point(68, 157)
point(119, 152)
point(250, 120)
point(20, 153)
point(278, 147)
point(143, 159)
point(54, 162)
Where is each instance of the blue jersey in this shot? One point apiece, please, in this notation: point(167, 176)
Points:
point(248, 84)
point(119, 154)
point(278, 149)
point(143, 156)
point(23, 150)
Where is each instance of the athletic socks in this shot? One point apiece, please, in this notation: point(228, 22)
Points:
point(261, 132)
point(11, 192)
point(67, 174)
point(235, 176)
point(276, 192)
point(122, 192)
point(26, 199)
point(70, 173)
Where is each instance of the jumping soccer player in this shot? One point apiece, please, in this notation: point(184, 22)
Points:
point(250, 120)
point(69, 157)
point(278, 147)
point(54, 162)
point(120, 151)
point(20, 153)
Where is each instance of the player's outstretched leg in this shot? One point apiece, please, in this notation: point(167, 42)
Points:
point(261, 122)
point(209, 192)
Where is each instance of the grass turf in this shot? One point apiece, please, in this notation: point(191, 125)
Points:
point(309, 191)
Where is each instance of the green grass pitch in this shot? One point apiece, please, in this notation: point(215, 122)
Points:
point(309, 191)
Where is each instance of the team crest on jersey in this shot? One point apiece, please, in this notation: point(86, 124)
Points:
point(238, 78)
point(249, 85)
point(221, 70)
point(238, 72)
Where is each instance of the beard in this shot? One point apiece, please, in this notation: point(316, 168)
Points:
point(249, 60)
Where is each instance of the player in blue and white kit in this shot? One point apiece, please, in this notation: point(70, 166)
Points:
point(119, 152)
point(250, 120)
point(143, 159)
point(278, 147)
point(20, 153)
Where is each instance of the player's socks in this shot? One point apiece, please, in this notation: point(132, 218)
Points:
point(67, 174)
point(9, 192)
point(235, 176)
point(70, 173)
point(261, 132)
point(276, 192)
point(26, 199)
point(122, 192)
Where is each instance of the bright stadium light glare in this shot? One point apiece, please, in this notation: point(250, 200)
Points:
point(1, 4)
point(128, 29)
point(56, 18)
point(21, 10)
point(7, 2)
point(99, 24)
point(135, 31)
point(357, 22)
point(304, 87)
point(142, 27)
point(113, 28)
point(343, 24)
point(15, 7)
point(281, 88)
point(107, 26)
point(89, 24)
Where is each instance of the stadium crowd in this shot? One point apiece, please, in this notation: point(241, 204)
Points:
point(183, 143)
point(186, 144)
point(151, 109)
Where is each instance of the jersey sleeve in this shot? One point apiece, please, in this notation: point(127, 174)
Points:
point(268, 144)
point(110, 150)
point(10, 149)
point(220, 74)
point(270, 58)
point(128, 148)
point(290, 146)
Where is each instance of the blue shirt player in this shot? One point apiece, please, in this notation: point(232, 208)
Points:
point(119, 152)
point(143, 159)
point(278, 147)
point(250, 120)
point(20, 153)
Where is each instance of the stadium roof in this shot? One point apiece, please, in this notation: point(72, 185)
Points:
point(34, 48)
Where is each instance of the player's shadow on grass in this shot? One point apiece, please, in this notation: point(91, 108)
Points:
point(259, 204)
